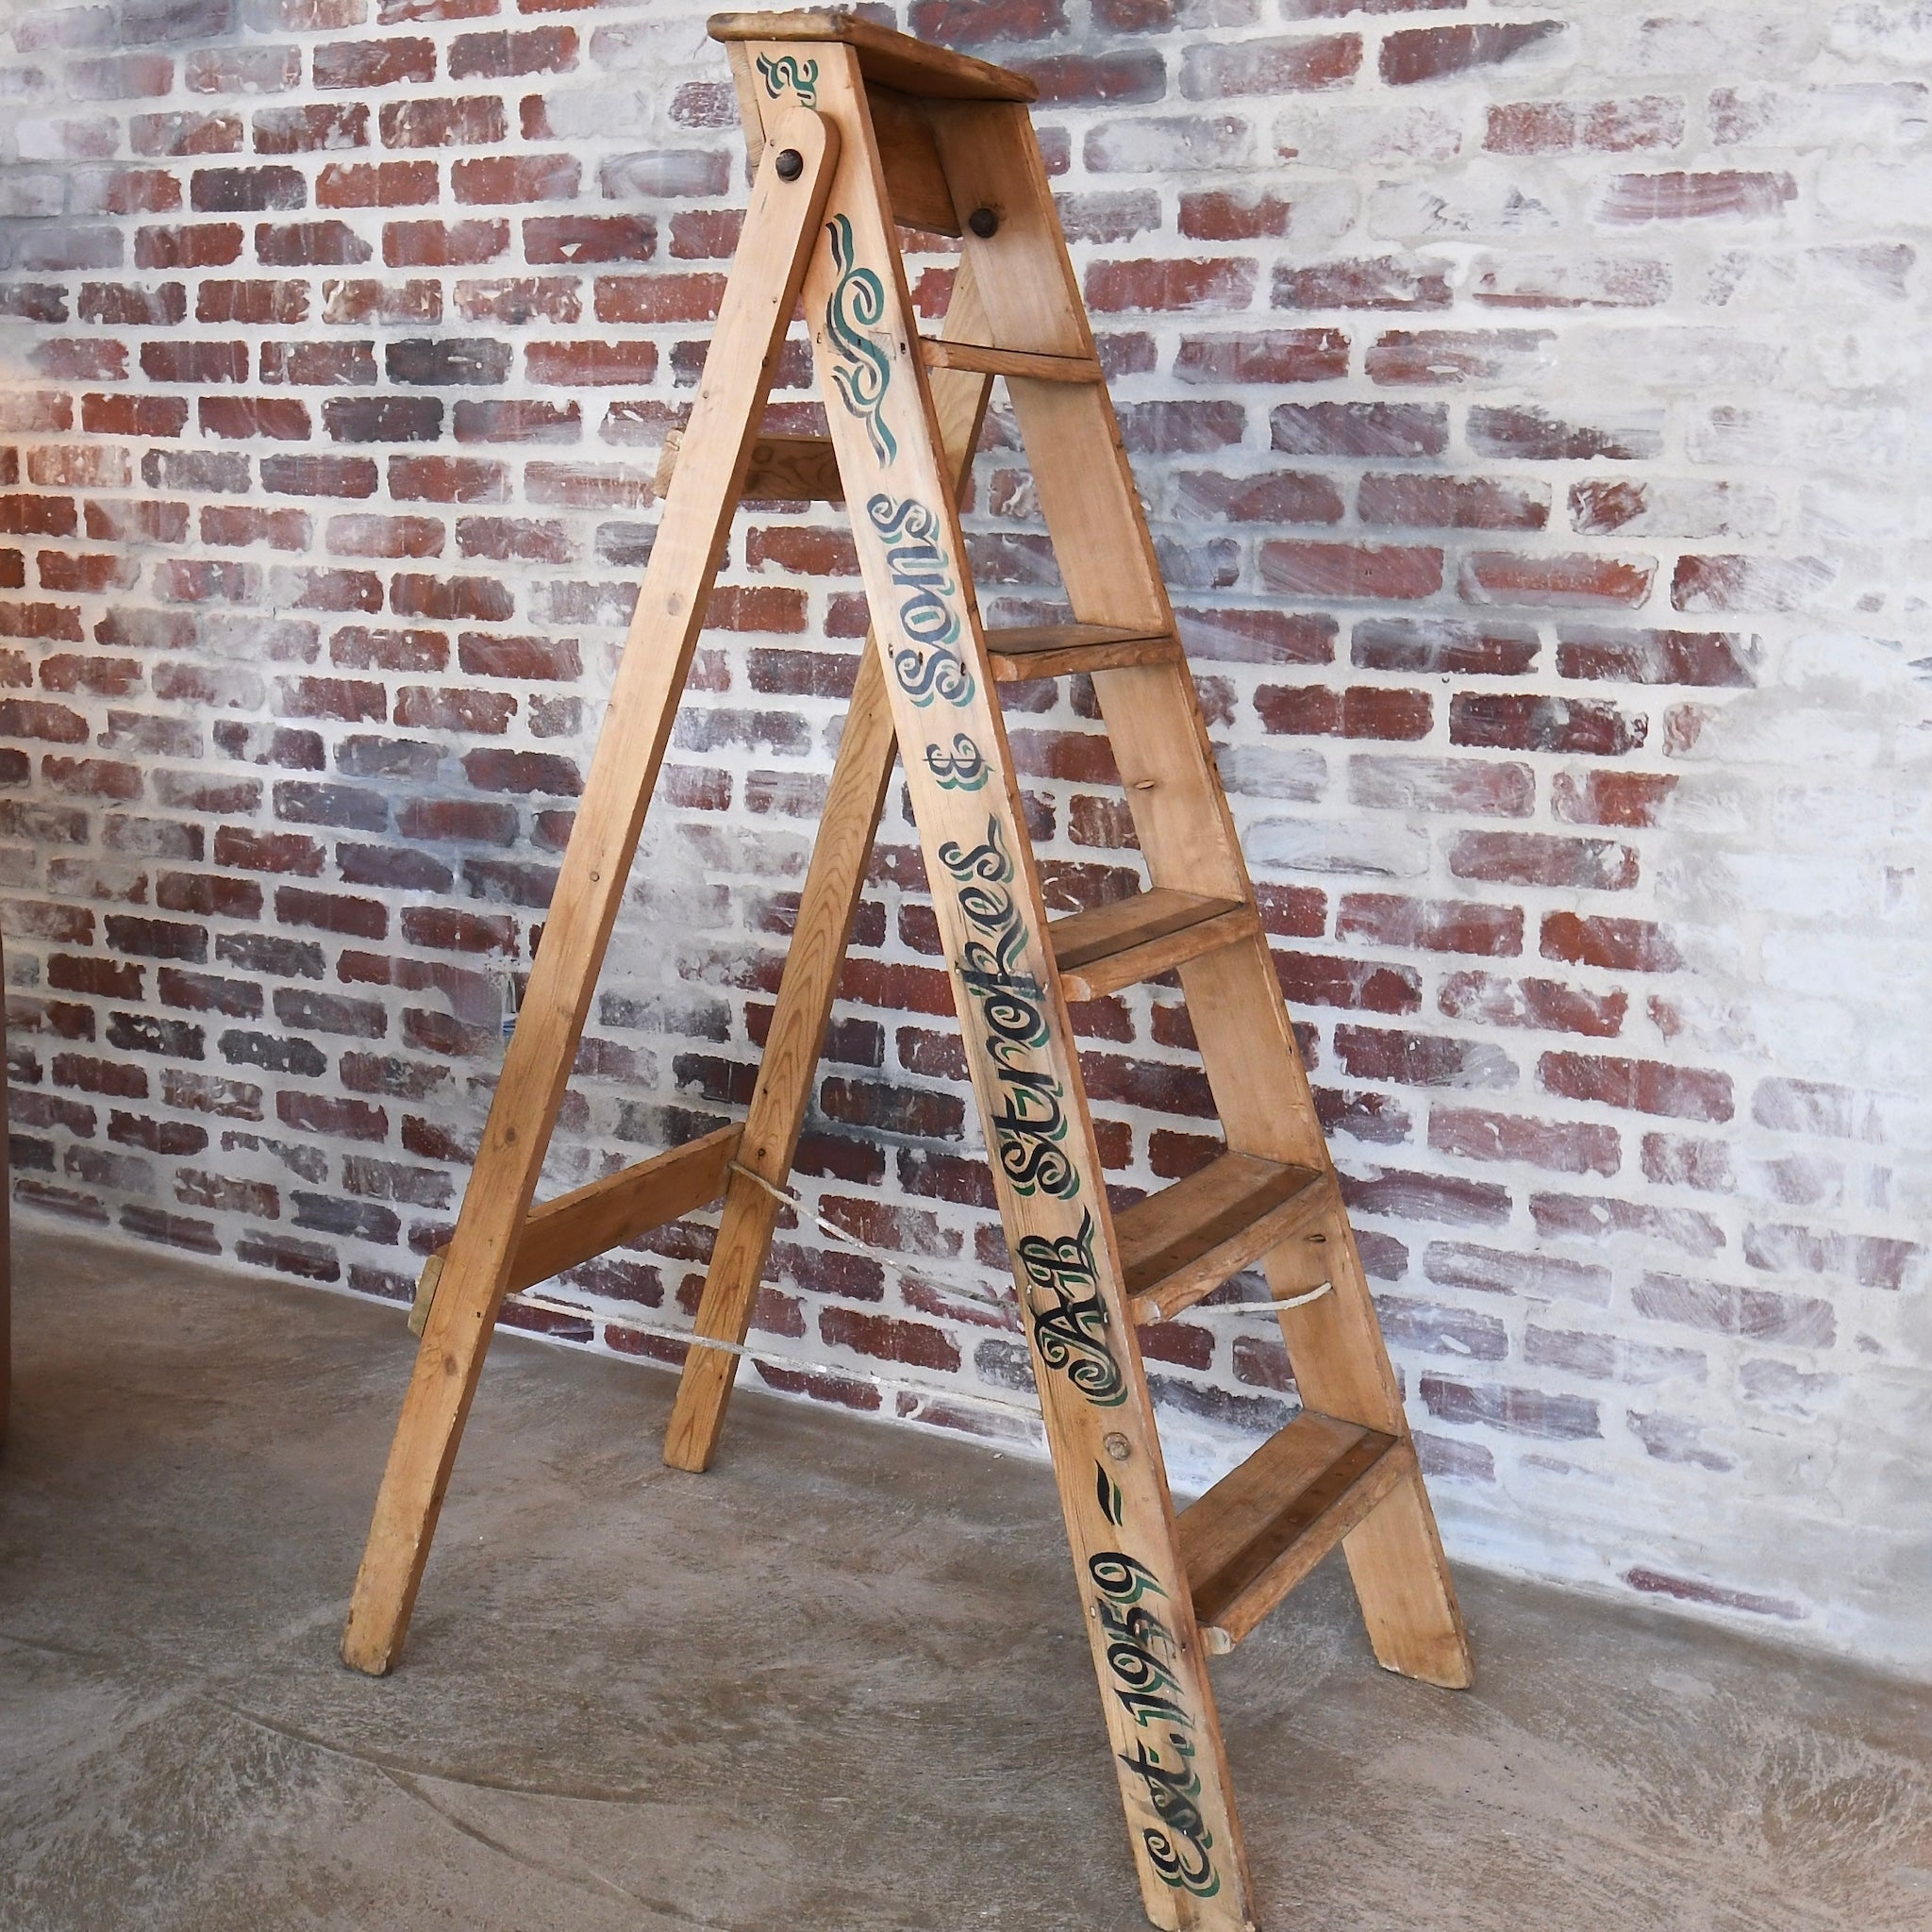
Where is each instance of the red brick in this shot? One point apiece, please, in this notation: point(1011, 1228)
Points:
point(514, 178)
point(1223, 215)
point(1467, 503)
point(1682, 197)
point(1626, 945)
point(1514, 1411)
point(500, 56)
point(185, 134)
point(1301, 65)
point(1437, 926)
point(321, 124)
point(1445, 647)
point(448, 479)
point(443, 245)
point(592, 365)
point(1534, 858)
point(1169, 285)
point(1359, 429)
point(1282, 496)
point(1535, 435)
point(474, 121)
point(1524, 722)
point(659, 298)
point(1610, 798)
point(1435, 52)
point(296, 905)
point(1644, 1086)
point(375, 63)
point(252, 302)
point(1577, 580)
point(236, 526)
point(1350, 571)
point(1656, 657)
point(375, 184)
point(127, 415)
point(1563, 1147)
point(1384, 282)
point(1556, 128)
point(1365, 985)
point(518, 422)
point(305, 244)
point(319, 475)
point(974, 23)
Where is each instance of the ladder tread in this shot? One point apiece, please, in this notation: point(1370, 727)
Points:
point(1266, 1524)
point(983, 359)
point(1020, 652)
point(888, 58)
point(1183, 1242)
point(1143, 935)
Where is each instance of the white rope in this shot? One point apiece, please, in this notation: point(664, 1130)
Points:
point(925, 1393)
point(834, 1232)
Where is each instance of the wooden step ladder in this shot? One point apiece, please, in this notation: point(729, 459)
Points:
point(855, 131)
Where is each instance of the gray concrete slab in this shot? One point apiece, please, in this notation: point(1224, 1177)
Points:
point(837, 1683)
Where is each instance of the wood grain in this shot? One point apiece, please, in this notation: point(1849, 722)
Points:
point(780, 228)
point(892, 59)
point(1128, 941)
point(833, 882)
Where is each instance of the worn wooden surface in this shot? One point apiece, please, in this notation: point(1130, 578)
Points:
point(892, 59)
point(780, 230)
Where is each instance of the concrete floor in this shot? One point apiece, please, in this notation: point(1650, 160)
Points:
point(838, 1683)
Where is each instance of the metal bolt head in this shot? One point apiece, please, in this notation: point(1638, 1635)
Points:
point(790, 164)
point(983, 223)
point(1116, 1445)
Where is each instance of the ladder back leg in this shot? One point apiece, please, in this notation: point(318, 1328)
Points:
point(1335, 1344)
point(1147, 1650)
point(757, 306)
point(832, 888)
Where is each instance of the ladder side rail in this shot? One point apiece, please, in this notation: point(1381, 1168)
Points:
point(1147, 1648)
point(759, 298)
point(834, 883)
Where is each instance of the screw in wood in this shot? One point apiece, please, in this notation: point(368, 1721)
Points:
point(1117, 1445)
point(790, 164)
point(983, 223)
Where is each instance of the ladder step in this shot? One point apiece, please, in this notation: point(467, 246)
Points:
point(984, 360)
point(885, 58)
point(784, 469)
point(1264, 1525)
point(1142, 937)
point(1183, 1242)
point(1058, 650)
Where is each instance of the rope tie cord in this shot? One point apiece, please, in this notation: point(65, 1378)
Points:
point(834, 1232)
point(923, 1392)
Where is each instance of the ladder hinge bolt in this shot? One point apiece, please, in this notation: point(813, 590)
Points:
point(1116, 1445)
point(790, 164)
point(983, 223)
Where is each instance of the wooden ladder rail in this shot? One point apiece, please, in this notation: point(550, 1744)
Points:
point(826, 907)
point(781, 227)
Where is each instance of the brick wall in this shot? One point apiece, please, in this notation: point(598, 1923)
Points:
point(1522, 397)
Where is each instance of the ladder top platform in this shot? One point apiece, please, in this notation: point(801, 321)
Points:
point(885, 58)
